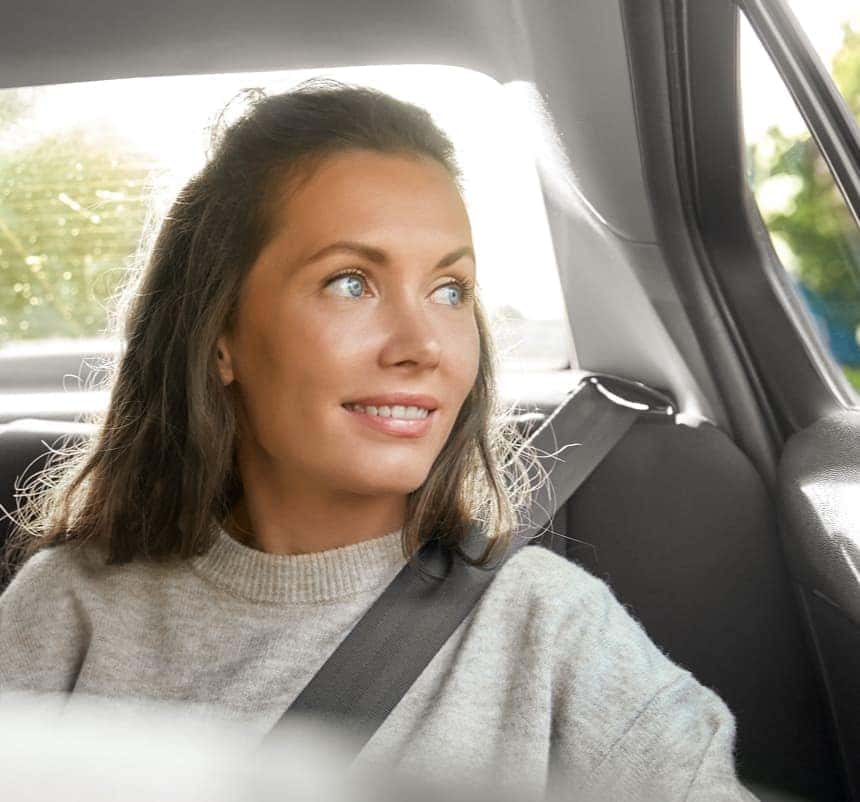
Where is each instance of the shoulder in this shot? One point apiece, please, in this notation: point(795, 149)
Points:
point(47, 586)
point(579, 613)
point(42, 569)
point(44, 627)
point(542, 577)
point(538, 595)
point(55, 603)
point(78, 575)
point(53, 566)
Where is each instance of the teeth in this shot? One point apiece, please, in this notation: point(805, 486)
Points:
point(397, 411)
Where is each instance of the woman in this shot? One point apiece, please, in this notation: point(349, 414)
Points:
point(306, 396)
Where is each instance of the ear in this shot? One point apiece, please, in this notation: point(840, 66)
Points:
point(225, 363)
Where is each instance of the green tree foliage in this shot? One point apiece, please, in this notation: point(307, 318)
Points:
point(816, 225)
point(15, 108)
point(72, 207)
point(814, 222)
point(846, 68)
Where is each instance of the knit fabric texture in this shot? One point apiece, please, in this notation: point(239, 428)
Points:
point(548, 687)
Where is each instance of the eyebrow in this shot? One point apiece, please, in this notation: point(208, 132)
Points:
point(379, 256)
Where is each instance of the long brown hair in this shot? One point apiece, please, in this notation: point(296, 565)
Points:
point(161, 466)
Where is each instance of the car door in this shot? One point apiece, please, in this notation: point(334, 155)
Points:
point(801, 403)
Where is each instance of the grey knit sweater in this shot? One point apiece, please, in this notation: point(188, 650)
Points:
point(548, 686)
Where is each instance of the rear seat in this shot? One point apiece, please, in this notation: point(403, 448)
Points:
point(25, 445)
point(677, 521)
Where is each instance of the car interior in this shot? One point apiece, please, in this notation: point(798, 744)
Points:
point(730, 527)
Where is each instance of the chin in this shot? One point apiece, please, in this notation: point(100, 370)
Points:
point(394, 482)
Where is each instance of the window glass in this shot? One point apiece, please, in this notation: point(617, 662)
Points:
point(811, 227)
point(84, 166)
point(833, 28)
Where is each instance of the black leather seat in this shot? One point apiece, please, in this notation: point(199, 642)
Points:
point(679, 523)
point(25, 446)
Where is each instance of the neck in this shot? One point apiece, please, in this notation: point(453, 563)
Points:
point(299, 524)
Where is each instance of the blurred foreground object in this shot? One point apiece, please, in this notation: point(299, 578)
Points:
point(96, 749)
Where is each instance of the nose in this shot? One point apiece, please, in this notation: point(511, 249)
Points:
point(413, 333)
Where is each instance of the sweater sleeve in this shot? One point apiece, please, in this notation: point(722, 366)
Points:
point(44, 629)
point(633, 724)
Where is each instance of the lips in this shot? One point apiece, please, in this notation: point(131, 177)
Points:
point(397, 427)
point(397, 399)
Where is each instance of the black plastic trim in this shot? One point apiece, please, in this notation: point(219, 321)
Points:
point(828, 694)
point(712, 149)
point(654, 56)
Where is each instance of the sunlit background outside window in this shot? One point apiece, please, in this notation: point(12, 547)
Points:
point(811, 227)
point(84, 166)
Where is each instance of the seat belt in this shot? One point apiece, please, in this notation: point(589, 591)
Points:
point(386, 651)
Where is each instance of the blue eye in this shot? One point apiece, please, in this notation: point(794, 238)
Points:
point(461, 290)
point(458, 292)
point(352, 281)
point(454, 292)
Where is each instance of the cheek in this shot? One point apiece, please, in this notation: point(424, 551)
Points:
point(465, 356)
point(307, 362)
point(274, 359)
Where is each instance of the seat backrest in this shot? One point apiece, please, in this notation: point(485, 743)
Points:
point(680, 525)
point(25, 446)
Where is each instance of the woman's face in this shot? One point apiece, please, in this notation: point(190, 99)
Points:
point(310, 340)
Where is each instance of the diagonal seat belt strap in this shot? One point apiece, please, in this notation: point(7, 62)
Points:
point(387, 650)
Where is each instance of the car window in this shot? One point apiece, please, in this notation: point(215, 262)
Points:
point(812, 230)
point(86, 168)
point(833, 28)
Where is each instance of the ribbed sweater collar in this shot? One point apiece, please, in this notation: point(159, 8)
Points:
point(321, 576)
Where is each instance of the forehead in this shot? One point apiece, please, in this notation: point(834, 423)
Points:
point(360, 192)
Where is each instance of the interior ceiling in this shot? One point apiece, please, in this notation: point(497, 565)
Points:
point(573, 52)
point(54, 41)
